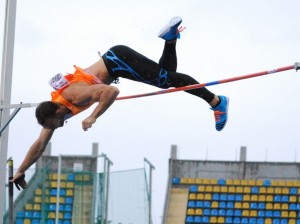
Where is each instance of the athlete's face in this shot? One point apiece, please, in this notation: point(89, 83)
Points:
point(55, 122)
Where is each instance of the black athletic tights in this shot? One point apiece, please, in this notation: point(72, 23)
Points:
point(122, 61)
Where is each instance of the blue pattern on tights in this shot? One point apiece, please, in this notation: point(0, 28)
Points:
point(122, 66)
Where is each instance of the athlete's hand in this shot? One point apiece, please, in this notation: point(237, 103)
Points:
point(19, 180)
point(88, 122)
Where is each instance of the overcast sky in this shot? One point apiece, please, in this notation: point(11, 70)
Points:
point(222, 39)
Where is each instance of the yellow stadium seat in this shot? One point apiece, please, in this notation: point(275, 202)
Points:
point(278, 190)
point(284, 206)
point(296, 183)
point(192, 196)
point(214, 181)
point(37, 207)
point(191, 180)
point(244, 182)
point(206, 181)
point(207, 197)
point(27, 221)
point(28, 206)
point(37, 199)
point(269, 198)
point(262, 190)
point(53, 176)
point(254, 197)
point(292, 214)
point(199, 181)
point(247, 190)
point(237, 205)
point(200, 196)
point(221, 220)
point(293, 199)
point(79, 177)
point(269, 206)
point(229, 182)
point(245, 213)
point(190, 211)
point(236, 182)
point(208, 188)
point(51, 215)
point(198, 211)
point(284, 214)
point(253, 213)
point(285, 190)
point(53, 184)
point(38, 191)
point(215, 204)
point(63, 176)
point(239, 190)
point(299, 191)
point(201, 188)
point(261, 198)
point(292, 221)
point(246, 197)
point(70, 192)
point(183, 180)
point(251, 182)
point(274, 183)
point(289, 183)
point(224, 189)
point(231, 189)
point(270, 190)
point(216, 189)
point(282, 183)
point(213, 219)
point(245, 205)
point(268, 221)
point(70, 184)
point(259, 183)
point(277, 206)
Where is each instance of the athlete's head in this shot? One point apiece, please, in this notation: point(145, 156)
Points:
point(47, 116)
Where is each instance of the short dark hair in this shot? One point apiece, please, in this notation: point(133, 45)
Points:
point(44, 111)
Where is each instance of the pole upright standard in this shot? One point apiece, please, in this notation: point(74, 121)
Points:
point(10, 191)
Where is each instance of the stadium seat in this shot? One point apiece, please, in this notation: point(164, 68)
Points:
point(205, 219)
point(206, 212)
point(245, 213)
point(208, 188)
point(67, 215)
point(20, 214)
point(237, 220)
point(245, 220)
point(200, 196)
point(191, 204)
point(261, 213)
point(221, 182)
point(198, 211)
point(199, 204)
point(207, 197)
point(193, 188)
point(216, 197)
point(190, 211)
point(28, 214)
point(197, 219)
point(189, 219)
point(214, 204)
point(191, 181)
point(175, 180)
point(228, 220)
point(192, 196)
point(214, 212)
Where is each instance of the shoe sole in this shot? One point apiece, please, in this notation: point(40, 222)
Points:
point(227, 98)
point(167, 27)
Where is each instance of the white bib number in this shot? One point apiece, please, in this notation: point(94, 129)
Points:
point(58, 81)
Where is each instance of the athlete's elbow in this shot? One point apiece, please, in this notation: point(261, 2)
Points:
point(114, 91)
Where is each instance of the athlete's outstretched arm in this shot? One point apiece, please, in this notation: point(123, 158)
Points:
point(35, 151)
point(105, 95)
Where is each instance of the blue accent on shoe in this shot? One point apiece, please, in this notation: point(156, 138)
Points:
point(221, 113)
point(170, 31)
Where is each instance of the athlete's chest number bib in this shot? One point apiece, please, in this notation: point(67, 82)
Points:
point(58, 81)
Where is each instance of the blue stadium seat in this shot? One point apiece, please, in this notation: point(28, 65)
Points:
point(215, 212)
point(67, 215)
point(50, 221)
point(35, 221)
point(221, 182)
point(20, 214)
point(285, 198)
point(28, 214)
point(239, 197)
point(205, 219)
point(277, 198)
point(269, 214)
point(199, 204)
point(228, 220)
point(252, 221)
point(298, 221)
point(68, 208)
point(206, 212)
point(254, 190)
point(238, 212)
point(261, 213)
point(298, 208)
point(293, 190)
point(230, 205)
point(245, 220)
point(229, 212)
point(71, 177)
point(191, 204)
point(52, 207)
point(222, 212)
point(197, 219)
point(189, 219)
point(267, 183)
point(292, 206)
point(253, 205)
point(277, 214)
point(223, 197)
point(62, 192)
point(36, 215)
point(69, 200)
point(237, 220)
point(61, 208)
point(215, 197)
point(222, 204)
point(261, 205)
point(284, 221)
point(53, 192)
point(67, 222)
point(193, 189)
point(19, 221)
point(231, 197)
point(276, 221)
point(260, 221)
point(206, 204)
